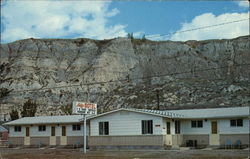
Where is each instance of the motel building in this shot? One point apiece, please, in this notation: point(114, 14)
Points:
point(128, 128)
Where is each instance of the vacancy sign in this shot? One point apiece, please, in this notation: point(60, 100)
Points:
point(84, 108)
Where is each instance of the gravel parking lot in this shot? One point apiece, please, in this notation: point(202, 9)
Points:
point(48, 153)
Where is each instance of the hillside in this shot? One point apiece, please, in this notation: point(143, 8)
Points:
point(125, 73)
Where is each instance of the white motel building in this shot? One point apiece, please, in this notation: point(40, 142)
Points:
point(137, 129)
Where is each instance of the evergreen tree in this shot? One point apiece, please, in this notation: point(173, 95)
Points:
point(29, 109)
point(14, 114)
point(67, 109)
point(143, 37)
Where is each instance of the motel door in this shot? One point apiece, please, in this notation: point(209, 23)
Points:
point(27, 136)
point(53, 131)
point(214, 137)
point(214, 127)
point(63, 137)
point(27, 131)
point(63, 130)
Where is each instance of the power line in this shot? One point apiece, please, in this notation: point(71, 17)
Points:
point(130, 79)
point(199, 28)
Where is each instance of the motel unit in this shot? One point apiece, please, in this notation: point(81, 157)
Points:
point(128, 128)
point(47, 130)
point(155, 129)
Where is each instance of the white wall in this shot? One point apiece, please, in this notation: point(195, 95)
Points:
point(121, 123)
point(34, 131)
point(225, 128)
point(187, 129)
point(12, 132)
point(70, 131)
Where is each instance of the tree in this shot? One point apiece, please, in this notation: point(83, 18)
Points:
point(14, 114)
point(143, 37)
point(4, 92)
point(66, 109)
point(130, 36)
point(29, 109)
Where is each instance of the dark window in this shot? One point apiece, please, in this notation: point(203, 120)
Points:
point(193, 124)
point(104, 128)
point(197, 124)
point(236, 122)
point(239, 122)
point(41, 128)
point(147, 126)
point(233, 122)
point(168, 128)
point(200, 124)
point(18, 128)
point(177, 127)
point(76, 127)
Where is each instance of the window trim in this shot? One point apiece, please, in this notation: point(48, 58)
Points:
point(236, 122)
point(147, 127)
point(76, 127)
point(196, 123)
point(41, 128)
point(103, 128)
point(17, 128)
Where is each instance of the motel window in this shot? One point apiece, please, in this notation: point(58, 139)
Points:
point(196, 123)
point(236, 122)
point(104, 128)
point(147, 126)
point(41, 128)
point(76, 127)
point(177, 127)
point(17, 128)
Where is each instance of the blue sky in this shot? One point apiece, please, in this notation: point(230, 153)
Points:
point(163, 16)
point(110, 19)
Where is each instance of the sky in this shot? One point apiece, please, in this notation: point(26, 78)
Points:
point(157, 20)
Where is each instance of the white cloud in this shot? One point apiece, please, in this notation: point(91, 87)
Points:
point(243, 3)
point(231, 30)
point(57, 19)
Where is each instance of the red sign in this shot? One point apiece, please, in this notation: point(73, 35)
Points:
point(86, 105)
point(84, 108)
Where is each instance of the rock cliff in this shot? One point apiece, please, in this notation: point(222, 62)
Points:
point(125, 72)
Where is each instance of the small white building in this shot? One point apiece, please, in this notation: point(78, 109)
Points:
point(47, 130)
point(141, 128)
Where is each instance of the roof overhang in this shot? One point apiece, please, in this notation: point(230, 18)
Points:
point(129, 110)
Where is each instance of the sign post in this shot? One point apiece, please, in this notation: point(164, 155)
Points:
point(85, 134)
point(84, 109)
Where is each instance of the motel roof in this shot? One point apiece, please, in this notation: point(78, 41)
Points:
point(3, 129)
point(214, 112)
point(160, 113)
point(47, 120)
point(189, 113)
point(176, 114)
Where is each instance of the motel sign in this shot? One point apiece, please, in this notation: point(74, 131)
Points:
point(84, 108)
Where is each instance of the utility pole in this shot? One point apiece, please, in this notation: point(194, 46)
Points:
point(85, 126)
point(158, 99)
